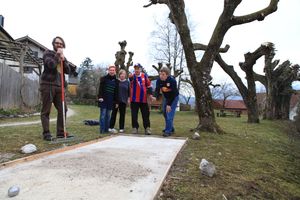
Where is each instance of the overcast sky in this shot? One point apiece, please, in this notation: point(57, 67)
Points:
point(93, 28)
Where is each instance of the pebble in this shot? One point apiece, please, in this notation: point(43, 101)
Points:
point(196, 136)
point(13, 191)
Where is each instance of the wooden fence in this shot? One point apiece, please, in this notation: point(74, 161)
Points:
point(12, 94)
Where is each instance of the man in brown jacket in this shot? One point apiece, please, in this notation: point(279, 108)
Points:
point(50, 87)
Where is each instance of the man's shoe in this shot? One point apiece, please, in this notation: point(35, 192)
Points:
point(47, 137)
point(121, 131)
point(166, 134)
point(172, 132)
point(68, 135)
point(134, 131)
point(148, 131)
point(112, 130)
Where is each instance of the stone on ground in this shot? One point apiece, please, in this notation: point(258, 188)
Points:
point(207, 168)
point(28, 148)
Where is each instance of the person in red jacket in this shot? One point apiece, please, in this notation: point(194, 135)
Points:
point(140, 88)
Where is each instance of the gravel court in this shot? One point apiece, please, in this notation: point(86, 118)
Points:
point(121, 167)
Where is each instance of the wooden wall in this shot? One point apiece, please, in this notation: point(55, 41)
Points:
point(12, 94)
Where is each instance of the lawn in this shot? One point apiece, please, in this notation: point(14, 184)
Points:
point(253, 161)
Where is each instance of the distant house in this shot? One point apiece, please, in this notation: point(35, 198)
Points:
point(4, 35)
point(16, 91)
point(28, 53)
point(234, 107)
point(295, 100)
point(16, 54)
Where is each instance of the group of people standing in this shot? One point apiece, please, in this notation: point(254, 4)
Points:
point(116, 91)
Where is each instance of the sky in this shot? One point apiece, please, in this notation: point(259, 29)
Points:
point(93, 28)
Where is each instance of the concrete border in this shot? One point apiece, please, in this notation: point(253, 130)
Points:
point(48, 153)
point(171, 164)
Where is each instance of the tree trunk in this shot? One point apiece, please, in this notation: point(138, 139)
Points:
point(252, 109)
point(248, 94)
point(204, 106)
point(200, 72)
point(253, 116)
point(269, 106)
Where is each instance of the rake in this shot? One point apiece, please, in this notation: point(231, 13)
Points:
point(65, 138)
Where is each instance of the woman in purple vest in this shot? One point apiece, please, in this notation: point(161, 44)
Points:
point(123, 99)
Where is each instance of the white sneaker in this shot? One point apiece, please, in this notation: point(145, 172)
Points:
point(112, 130)
point(121, 131)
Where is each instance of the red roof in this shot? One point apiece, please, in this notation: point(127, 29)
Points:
point(230, 104)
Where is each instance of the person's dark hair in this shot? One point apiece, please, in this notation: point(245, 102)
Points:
point(57, 37)
point(166, 70)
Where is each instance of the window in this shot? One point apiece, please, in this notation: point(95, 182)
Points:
point(35, 54)
point(28, 70)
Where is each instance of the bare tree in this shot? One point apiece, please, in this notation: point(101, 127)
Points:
point(187, 92)
point(167, 48)
point(224, 91)
point(278, 81)
point(200, 71)
point(248, 91)
point(120, 57)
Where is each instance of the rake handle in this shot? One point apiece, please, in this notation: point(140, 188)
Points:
point(63, 96)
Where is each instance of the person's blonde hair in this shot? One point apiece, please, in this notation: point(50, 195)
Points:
point(166, 70)
point(112, 66)
point(122, 71)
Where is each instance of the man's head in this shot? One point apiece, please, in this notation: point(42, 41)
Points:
point(164, 72)
point(58, 42)
point(112, 70)
point(137, 69)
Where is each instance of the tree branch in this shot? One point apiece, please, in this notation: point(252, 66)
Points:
point(231, 72)
point(186, 80)
point(260, 78)
point(198, 46)
point(259, 15)
point(251, 58)
point(178, 72)
point(153, 2)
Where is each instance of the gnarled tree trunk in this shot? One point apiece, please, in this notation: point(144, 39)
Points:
point(278, 83)
point(248, 92)
point(200, 71)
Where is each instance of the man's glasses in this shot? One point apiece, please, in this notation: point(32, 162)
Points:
point(59, 43)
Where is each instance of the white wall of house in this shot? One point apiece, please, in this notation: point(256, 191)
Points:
point(293, 112)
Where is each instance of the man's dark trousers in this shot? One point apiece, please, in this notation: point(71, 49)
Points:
point(145, 114)
point(51, 94)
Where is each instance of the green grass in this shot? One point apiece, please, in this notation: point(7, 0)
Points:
point(253, 161)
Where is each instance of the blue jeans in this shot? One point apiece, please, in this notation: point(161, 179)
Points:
point(169, 116)
point(104, 119)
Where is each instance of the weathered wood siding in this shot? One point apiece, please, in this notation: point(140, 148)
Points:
point(12, 95)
